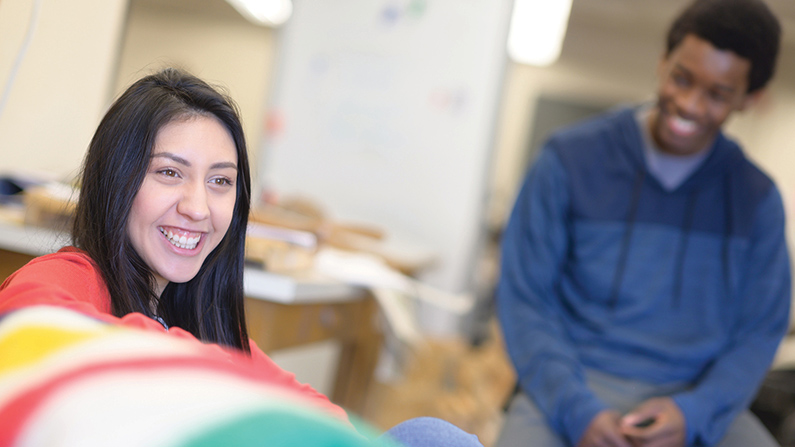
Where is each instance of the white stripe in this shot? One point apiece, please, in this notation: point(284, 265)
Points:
point(157, 409)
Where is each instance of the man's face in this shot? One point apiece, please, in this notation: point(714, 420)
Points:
point(700, 86)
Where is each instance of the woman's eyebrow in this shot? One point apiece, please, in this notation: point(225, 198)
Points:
point(224, 165)
point(176, 158)
point(173, 157)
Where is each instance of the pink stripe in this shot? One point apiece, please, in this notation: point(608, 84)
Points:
point(17, 412)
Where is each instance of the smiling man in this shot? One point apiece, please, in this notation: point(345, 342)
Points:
point(645, 276)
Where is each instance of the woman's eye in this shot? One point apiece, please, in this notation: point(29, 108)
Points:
point(221, 181)
point(168, 172)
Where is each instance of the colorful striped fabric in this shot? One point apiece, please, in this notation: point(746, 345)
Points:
point(69, 380)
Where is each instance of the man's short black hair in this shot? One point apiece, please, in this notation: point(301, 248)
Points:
point(746, 27)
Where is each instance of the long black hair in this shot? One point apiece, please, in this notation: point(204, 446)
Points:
point(211, 305)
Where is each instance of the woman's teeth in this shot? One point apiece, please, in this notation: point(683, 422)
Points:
point(181, 241)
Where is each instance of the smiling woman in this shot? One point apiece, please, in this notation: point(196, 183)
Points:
point(169, 161)
point(160, 225)
point(159, 240)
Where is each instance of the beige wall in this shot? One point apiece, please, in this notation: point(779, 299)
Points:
point(768, 133)
point(61, 88)
point(523, 86)
point(227, 51)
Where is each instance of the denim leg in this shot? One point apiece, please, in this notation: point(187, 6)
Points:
point(431, 432)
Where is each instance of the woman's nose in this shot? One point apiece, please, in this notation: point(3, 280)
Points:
point(193, 203)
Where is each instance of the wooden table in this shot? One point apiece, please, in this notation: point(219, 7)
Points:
point(276, 326)
point(288, 311)
point(282, 311)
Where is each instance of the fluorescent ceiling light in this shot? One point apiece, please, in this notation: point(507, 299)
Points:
point(537, 30)
point(264, 12)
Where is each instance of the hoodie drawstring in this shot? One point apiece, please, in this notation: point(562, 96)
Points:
point(687, 224)
point(680, 262)
point(623, 254)
point(727, 234)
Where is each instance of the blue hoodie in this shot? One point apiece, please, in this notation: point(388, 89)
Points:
point(604, 269)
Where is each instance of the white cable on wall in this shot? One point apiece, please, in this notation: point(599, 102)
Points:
point(23, 49)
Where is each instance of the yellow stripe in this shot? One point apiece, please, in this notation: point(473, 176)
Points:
point(31, 343)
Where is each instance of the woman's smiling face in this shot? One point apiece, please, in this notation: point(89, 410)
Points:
point(186, 201)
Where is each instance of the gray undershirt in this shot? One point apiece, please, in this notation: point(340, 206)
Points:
point(670, 170)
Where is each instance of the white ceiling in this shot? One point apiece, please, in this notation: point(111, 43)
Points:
point(624, 14)
point(597, 28)
point(601, 30)
point(653, 16)
point(211, 8)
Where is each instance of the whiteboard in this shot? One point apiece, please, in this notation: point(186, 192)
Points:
point(383, 111)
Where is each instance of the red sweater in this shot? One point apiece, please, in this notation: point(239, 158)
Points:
point(71, 279)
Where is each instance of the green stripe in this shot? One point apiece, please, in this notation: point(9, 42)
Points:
point(284, 427)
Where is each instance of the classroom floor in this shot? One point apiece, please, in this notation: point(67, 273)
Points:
point(451, 380)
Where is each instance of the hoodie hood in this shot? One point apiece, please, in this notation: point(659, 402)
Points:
point(723, 153)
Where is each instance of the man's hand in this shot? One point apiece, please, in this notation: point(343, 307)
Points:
point(604, 431)
point(666, 429)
